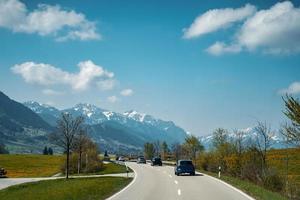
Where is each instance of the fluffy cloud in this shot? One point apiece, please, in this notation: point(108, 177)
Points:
point(216, 19)
point(126, 92)
point(47, 20)
point(294, 88)
point(45, 74)
point(220, 48)
point(112, 99)
point(274, 31)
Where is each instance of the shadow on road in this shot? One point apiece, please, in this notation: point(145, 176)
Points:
point(190, 175)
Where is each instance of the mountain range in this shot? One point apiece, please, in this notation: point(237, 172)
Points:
point(250, 136)
point(24, 127)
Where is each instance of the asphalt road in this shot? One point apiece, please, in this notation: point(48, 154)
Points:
point(160, 183)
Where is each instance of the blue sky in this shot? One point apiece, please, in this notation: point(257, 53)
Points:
point(176, 60)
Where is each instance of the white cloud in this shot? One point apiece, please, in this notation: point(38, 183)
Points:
point(220, 48)
point(126, 92)
point(47, 20)
point(294, 88)
point(45, 74)
point(112, 99)
point(276, 30)
point(273, 31)
point(51, 92)
point(216, 19)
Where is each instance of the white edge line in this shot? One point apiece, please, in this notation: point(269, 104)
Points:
point(125, 188)
point(232, 187)
point(179, 192)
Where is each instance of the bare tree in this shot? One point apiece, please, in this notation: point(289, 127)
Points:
point(263, 141)
point(219, 137)
point(176, 150)
point(67, 129)
point(149, 150)
point(239, 147)
point(193, 145)
point(157, 148)
point(80, 144)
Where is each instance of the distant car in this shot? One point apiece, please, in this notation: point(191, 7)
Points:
point(184, 167)
point(156, 161)
point(141, 160)
point(121, 158)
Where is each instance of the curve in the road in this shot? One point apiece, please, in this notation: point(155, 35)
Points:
point(161, 183)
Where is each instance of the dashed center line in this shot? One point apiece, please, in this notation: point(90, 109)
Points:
point(176, 182)
point(179, 192)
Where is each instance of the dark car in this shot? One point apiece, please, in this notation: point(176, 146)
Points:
point(184, 167)
point(141, 160)
point(156, 161)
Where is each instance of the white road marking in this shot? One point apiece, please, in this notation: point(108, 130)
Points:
point(176, 182)
point(170, 176)
point(125, 188)
point(179, 192)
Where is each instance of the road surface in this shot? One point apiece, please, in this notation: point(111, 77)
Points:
point(160, 183)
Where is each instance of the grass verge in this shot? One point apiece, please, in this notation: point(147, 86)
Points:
point(61, 189)
point(253, 190)
point(110, 168)
point(30, 165)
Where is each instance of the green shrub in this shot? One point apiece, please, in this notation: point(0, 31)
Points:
point(273, 181)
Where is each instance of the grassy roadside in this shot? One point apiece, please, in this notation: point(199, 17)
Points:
point(110, 168)
point(249, 188)
point(61, 189)
point(30, 165)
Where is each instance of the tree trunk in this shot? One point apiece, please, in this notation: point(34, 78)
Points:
point(79, 162)
point(68, 160)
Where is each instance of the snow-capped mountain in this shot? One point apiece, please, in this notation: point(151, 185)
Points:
point(46, 112)
point(110, 128)
point(250, 136)
point(92, 114)
point(41, 108)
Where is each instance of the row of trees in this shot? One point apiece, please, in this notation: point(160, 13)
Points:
point(188, 149)
point(81, 152)
point(238, 155)
point(47, 151)
point(157, 148)
point(248, 158)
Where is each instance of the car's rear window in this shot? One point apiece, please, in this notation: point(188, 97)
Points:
point(186, 162)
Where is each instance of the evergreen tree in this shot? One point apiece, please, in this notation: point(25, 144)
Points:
point(3, 149)
point(105, 153)
point(292, 111)
point(50, 151)
point(45, 151)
